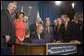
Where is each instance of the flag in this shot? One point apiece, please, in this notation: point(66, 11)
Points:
point(1, 5)
point(22, 9)
point(38, 16)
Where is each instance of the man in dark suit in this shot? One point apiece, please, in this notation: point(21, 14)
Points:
point(81, 34)
point(54, 25)
point(66, 31)
point(7, 28)
point(57, 30)
point(33, 26)
point(48, 31)
point(78, 32)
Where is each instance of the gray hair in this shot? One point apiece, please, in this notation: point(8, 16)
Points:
point(14, 3)
point(39, 25)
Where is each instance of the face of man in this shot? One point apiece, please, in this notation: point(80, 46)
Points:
point(59, 21)
point(38, 21)
point(80, 19)
point(55, 22)
point(25, 18)
point(47, 19)
point(47, 24)
point(40, 29)
point(64, 20)
point(12, 7)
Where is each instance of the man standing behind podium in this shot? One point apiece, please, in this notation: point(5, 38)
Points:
point(57, 30)
point(66, 29)
point(48, 31)
point(7, 29)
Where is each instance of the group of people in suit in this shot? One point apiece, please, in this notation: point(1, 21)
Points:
point(19, 31)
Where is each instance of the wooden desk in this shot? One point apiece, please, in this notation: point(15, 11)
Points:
point(30, 49)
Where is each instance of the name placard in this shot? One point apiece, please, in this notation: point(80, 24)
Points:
point(60, 48)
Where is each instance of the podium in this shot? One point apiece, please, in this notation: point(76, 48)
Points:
point(45, 49)
point(30, 49)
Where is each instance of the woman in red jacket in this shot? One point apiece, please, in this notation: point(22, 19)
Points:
point(20, 28)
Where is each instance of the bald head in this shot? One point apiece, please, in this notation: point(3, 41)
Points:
point(12, 7)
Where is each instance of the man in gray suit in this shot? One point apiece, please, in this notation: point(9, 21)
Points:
point(48, 31)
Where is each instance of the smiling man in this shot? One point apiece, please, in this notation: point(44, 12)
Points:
point(7, 29)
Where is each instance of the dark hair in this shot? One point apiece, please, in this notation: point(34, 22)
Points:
point(19, 13)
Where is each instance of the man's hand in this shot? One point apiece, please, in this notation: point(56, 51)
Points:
point(78, 42)
point(27, 36)
point(71, 41)
point(58, 42)
point(21, 39)
point(75, 41)
point(7, 38)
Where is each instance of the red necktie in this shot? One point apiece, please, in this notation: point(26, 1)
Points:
point(58, 28)
point(47, 29)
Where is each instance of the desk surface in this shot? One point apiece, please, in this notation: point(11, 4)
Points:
point(30, 44)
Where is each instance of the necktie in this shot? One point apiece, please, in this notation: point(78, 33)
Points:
point(38, 36)
point(47, 29)
point(58, 28)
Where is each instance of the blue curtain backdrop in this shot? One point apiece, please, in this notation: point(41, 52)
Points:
point(79, 7)
point(46, 9)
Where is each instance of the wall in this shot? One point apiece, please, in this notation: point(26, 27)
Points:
point(46, 9)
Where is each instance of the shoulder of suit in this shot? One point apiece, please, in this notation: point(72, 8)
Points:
point(4, 10)
point(51, 27)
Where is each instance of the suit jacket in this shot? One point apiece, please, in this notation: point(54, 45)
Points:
point(48, 35)
point(56, 33)
point(66, 35)
point(7, 28)
point(27, 29)
point(35, 36)
point(33, 28)
point(75, 31)
point(80, 32)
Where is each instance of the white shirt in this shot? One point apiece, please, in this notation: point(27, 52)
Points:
point(9, 12)
point(66, 23)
